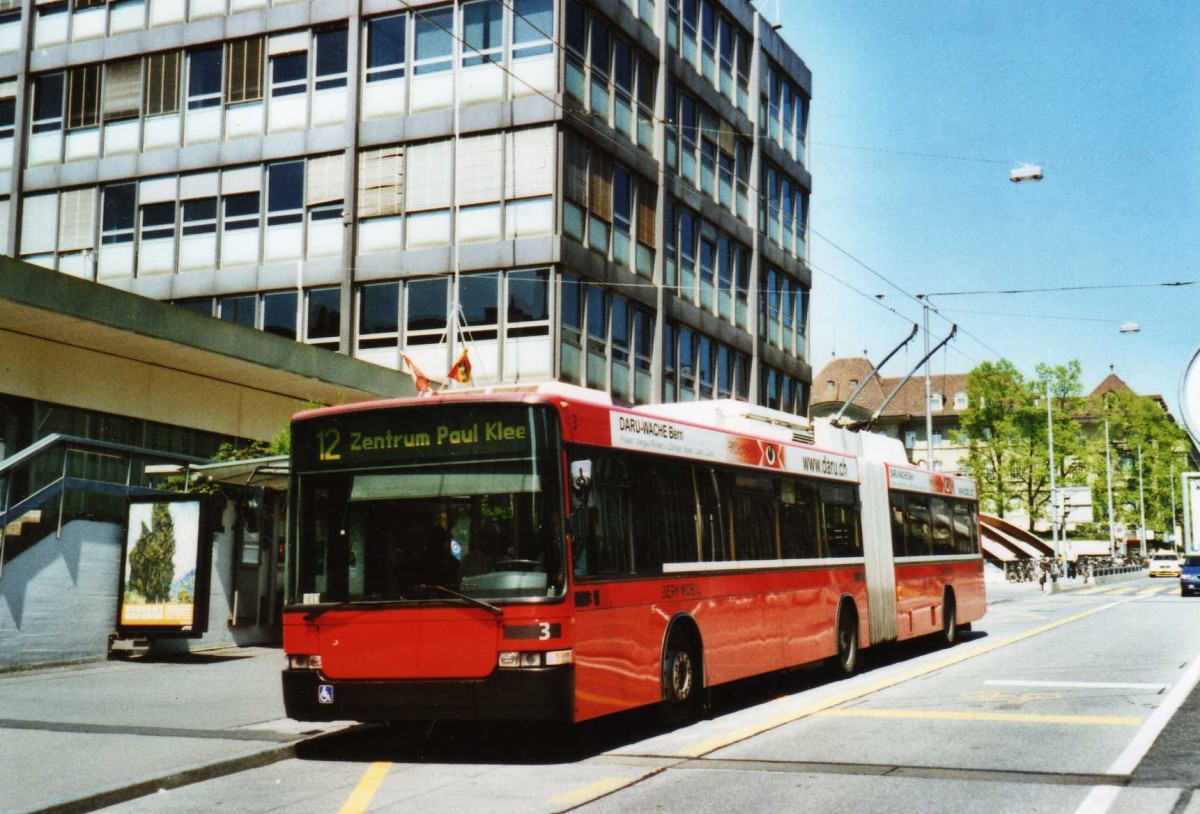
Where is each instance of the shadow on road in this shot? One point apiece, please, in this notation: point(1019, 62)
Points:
point(536, 744)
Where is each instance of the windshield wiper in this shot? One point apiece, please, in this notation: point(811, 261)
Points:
point(316, 613)
point(470, 600)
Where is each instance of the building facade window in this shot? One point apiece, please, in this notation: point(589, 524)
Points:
point(244, 59)
point(204, 78)
point(162, 83)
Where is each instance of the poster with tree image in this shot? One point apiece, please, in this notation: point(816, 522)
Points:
point(164, 574)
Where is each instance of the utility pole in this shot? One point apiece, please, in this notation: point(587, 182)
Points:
point(928, 399)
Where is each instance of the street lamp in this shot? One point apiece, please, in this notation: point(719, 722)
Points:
point(1112, 537)
point(1141, 505)
point(1053, 498)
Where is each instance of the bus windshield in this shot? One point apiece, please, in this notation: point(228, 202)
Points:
point(410, 503)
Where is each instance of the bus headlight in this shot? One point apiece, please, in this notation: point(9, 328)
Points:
point(302, 662)
point(513, 659)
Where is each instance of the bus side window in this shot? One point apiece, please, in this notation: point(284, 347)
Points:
point(710, 523)
point(917, 526)
point(840, 514)
point(798, 524)
point(751, 501)
point(896, 502)
point(943, 527)
point(664, 515)
point(965, 528)
point(602, 529)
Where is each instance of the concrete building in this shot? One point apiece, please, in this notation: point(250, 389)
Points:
point(611, 193)
point(94, 385)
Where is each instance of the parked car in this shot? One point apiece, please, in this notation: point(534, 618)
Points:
point(1165, 565)
point(1189, 579)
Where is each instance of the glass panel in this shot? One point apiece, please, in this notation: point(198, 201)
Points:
point(427, 309)
point(200, 216)
point(483, 32)
point(435, 41)
point(533, 28)
point(379, 308)
point(279, 314)
point(285, 193)
point(289, 74)
point(386, 47)
point(239, 310)
point(527, 295)
point(119, 213)
point(478, 299)
point(331, 58)
point(204, 77)
point(324, 313)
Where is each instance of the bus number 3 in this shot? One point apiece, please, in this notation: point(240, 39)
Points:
point(542, 631)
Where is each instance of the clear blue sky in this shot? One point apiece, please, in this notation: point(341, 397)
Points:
point(919, 111)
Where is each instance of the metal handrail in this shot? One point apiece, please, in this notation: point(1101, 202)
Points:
point(58, 485)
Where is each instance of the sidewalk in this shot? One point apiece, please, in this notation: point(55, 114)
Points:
point(78, 738)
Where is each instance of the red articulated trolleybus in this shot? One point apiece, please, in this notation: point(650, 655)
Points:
point(545, 555)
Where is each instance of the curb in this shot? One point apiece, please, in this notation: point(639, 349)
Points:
point(171, 780)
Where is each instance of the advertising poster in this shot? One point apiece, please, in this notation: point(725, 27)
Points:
point(164, 567)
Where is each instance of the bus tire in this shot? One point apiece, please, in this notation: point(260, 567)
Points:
point(681, 678)
point(950, 628)
point(847, 639)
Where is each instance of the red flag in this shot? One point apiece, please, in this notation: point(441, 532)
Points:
point(460, 371)
point(420, 380)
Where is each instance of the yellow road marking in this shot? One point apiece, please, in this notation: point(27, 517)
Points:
point(1093, 590)
point(1150, 592)
point(1119, 591)
point(730, 738)
point(592, 791)
point(360, 798)
point(1007, 717)
point(1011, 698)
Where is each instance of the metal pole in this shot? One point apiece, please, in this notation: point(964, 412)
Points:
point(928, 399)
point(1189, 545)
point(1141, 505)
point(1174, 525)
point(1112, 537)
point(1053, 497)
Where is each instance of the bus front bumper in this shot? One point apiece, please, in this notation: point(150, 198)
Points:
point(543, 694)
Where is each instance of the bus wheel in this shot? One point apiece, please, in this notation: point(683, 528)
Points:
point(847, 640)
point(681, 679)
point(950, 627)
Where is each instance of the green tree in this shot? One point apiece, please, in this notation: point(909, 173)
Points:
point(152, 560)
point(990, 429)
point(1134, 423)
point(1005, 430)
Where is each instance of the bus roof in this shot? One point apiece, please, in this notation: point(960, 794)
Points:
point(594, 408)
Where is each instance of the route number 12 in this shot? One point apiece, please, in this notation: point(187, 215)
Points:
point(327, 444)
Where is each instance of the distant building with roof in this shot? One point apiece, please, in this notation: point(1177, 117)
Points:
point(902, 417)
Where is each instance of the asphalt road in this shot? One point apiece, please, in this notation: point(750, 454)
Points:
point(1079, 701)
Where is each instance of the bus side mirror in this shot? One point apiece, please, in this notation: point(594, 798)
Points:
point(581, 482)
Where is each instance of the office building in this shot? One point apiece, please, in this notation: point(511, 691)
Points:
point(611, 193)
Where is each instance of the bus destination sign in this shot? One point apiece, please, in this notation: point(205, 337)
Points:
point(348, 439)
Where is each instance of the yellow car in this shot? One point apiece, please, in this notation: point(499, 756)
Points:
point(1165, 565)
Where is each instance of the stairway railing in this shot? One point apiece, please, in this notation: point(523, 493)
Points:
point(88, 478)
